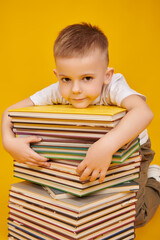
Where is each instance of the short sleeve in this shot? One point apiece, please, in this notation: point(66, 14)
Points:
point(118, 89)
point(48, 96)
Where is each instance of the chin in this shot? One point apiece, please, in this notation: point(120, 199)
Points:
point(80, 105)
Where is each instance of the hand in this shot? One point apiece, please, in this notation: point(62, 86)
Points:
point(20, 150)
point(96, 162)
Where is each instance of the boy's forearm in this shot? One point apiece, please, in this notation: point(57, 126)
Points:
point(6, 129)
point(132, 124)
point(6, 125)
point(19, 148)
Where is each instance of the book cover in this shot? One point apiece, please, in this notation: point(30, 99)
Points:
point(77, 191)
point(69, 172)
point(21, 228)
point(69, 226)
point(95, 231)
point(73, 180)
point(68, 122)
point(57, 194)
point(60, 127)
point(107, 113)
point(29, 192)
point(80, 219)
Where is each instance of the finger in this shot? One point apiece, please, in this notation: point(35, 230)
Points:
point(81, 167)
point(85, 174)
point(33, 139)
point(39, 161)
point(37, 157)
point(35, 162)
point(46, 164)
point(94, 175)
point(102, 175)
point(31, 164)
point(40, 164)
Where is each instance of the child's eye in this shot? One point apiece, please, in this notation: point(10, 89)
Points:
point(88, 78)
point(65, 79)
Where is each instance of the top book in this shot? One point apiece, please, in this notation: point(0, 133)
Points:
point(97, 113)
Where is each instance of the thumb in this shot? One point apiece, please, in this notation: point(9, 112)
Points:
point(32, 139)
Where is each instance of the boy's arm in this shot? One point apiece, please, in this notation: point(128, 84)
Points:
point(99, 155)
point(19, 148)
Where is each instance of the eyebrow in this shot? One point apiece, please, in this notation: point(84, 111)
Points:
point(62, 75)
point(85, 74)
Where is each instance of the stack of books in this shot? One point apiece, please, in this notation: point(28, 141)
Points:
point(66, 134)
point(34, 214)
point(63, 176)
point(106, 211)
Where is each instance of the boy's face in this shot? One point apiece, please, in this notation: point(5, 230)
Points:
point(81, 78)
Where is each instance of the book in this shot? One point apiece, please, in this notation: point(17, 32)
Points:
point(49, 145)
point(119, 234)
point(69, 172)
point(69, 227)
point(78, 154)
point(60, 127)
point(17, 229)
point(76, 150)
point(68, 122)
point(92, 136)
point(70, 224)
point(77, 162)
point(34, 213)
point(72, 179)
point(126, 232)
point(63, 184)
point(75, 207)
point(82, 132)
point(49, 205)
point(101, 211)
point(72, 143)
point(17, 233)
point(67, 215)
point(89, 233)
point(104, 113)
point(57, 194)
point(71, 167)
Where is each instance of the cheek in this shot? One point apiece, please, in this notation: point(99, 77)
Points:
point(64, 90)
point(94, 90)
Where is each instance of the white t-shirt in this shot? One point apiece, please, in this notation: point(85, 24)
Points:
point(113, 94)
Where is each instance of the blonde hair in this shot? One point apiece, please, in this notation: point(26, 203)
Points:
point(80, 39)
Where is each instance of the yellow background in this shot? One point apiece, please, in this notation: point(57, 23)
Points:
point(28, 30)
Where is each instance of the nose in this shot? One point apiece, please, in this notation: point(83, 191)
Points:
point(76, 88)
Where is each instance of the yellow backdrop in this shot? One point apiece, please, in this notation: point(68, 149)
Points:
point(28, 29)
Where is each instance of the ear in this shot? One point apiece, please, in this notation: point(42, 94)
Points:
point(108, 75)
point(55, 73)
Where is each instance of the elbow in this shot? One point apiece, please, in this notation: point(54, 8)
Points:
point(5, 113)
point(150, 116)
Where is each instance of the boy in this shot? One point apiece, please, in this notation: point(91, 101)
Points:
point(84, 78)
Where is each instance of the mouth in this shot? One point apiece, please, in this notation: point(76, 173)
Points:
point(78, 99)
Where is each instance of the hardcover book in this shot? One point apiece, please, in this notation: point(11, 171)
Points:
point(53, 203)
point(69, 171)
point(104, 113)
point(78, 189)
point(72, 206)
point(19, 230)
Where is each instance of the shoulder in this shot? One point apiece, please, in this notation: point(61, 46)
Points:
point(117, 78)
point(110, 91)
point(117, 90)
point(49, 95)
